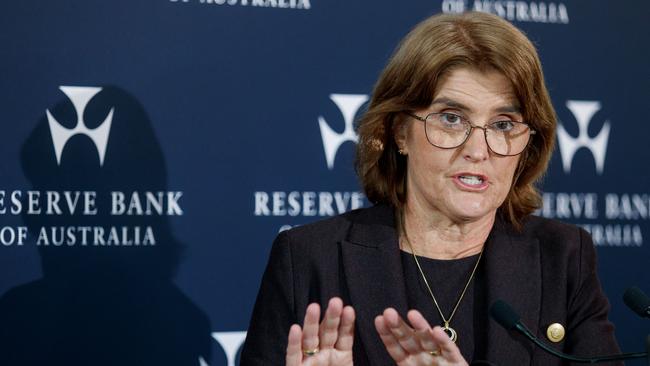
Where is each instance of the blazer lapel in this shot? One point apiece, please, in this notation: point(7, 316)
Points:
point(374, 276)
point(513, 272)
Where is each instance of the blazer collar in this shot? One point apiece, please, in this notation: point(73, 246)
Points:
point(375, 278)
point(374, 275)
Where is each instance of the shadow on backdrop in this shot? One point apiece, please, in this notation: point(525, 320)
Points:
point(100, 304)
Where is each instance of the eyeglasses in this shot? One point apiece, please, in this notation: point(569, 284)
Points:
point(449, 131)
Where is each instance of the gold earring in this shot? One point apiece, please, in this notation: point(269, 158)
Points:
point(401, 152)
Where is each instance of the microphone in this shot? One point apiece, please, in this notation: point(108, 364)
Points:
point(503, 314)
point(636, 300)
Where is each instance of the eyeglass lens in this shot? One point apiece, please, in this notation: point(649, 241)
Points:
point(448, 131)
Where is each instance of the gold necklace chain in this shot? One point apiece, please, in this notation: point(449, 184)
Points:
point(451, 332)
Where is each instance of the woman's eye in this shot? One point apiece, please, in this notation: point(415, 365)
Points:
point(450, 118)
point(503, 126)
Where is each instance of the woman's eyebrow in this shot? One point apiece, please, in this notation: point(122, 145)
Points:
point(455, 104)
point(509, 109)
point(450, 103)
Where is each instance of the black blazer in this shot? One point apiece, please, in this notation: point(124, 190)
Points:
point(547, 273)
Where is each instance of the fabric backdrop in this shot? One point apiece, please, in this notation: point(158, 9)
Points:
point(152, 149)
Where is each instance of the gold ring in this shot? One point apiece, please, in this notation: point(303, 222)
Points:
point(310, 352)
point(435, 353)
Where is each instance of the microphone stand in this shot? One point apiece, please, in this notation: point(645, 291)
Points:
point(505, 316)
point(623, 356)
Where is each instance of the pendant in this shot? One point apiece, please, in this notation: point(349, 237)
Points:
point(451, 332)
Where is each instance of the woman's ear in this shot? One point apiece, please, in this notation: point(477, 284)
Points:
point(400, 132)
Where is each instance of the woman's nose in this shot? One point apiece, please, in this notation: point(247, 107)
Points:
point(476, 148)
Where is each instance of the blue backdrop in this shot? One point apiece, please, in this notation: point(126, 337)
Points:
point(151, 150)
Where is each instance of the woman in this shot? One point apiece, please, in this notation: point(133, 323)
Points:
point(459, 129)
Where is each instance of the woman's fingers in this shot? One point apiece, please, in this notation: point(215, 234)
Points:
point(415, 346)
point(346, 330)
point(329, 327)
point(402, 331)
point(328, 341)
point(294, 346)
point(426, 342)
point(448, 349)
point(310, 328)
point(417, 320)
point(423, 330)
point(390, 342)
point(400, 339)
point(434, 339)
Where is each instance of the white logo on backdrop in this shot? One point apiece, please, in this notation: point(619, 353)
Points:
point(80, 96)
point(583, 111)
point(514, 11)
point(279, 4)
point(349, 105)
point(231, 342)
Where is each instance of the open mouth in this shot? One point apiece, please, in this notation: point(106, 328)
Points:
point(471, 180)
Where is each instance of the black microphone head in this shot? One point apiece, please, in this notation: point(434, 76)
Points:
point(503, 314)
point(636, 300)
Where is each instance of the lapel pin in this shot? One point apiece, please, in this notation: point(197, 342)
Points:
point(555, 332)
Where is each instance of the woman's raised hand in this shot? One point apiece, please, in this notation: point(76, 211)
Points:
point(327, 343)
point(417, 345)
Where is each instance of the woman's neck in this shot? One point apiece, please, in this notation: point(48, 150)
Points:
point(433, 235)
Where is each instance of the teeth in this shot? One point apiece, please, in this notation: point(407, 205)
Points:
point(470, 179)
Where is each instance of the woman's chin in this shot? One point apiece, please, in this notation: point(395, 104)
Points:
point(473, 211)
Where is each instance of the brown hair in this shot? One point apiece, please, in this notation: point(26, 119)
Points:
point(435, 46)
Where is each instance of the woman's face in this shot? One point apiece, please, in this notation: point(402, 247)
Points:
point(467, 183)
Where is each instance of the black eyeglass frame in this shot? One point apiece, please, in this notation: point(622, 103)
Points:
point(469, 132)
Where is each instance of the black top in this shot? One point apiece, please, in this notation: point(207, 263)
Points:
point(447, 279)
